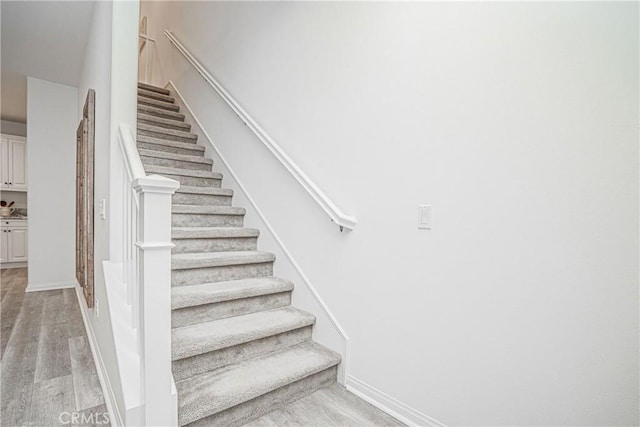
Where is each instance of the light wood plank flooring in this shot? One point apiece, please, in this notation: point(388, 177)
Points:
point(46, 369)
point(329, 407)
point(46, 366)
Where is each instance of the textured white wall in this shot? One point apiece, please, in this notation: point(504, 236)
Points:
point(51, 126)
point(517, 121)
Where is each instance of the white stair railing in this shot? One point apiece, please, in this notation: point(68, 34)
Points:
point(146, 274)
point(336, 215)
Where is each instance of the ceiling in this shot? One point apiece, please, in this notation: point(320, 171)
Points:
point(42, 39)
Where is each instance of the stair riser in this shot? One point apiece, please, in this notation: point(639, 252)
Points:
point(206, 220)
point(201, 199)
point(186, 368)
point(196, 276)
point(158, 104)
point(221, 310)
point(195, 181)
point(215, 245)
point(168, 124)
point(180, 164)
point(164, 114)
point(169, 149)
point(166, 136)
point(155, 95)
point(256, 408)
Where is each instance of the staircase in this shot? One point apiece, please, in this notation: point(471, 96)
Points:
point(239, 349)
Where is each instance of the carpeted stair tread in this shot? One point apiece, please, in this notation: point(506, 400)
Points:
point(162, 170)
point(218, 259)
point(170, 133)
point(205, 337)
point(212, 392)
point(160, 112)
point(159, 141)
point(155, 95)
point(212, 232)
point(205, 190)
point(152, 88)
point(158, 104)
point(207, 210)
point(174, 156)
point(162, 121)
point(210, 293)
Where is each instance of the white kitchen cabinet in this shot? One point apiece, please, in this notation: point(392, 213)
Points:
point(17, 244)
point(13, 163)
point(13, 241)
point(4, 246)
point(18, 165)
point(4, 162)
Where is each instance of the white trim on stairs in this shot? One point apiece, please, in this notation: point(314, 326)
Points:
point(51, 286)
point(403, 412)
point(115, 417)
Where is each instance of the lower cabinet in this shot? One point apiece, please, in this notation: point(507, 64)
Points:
point(4, 246)
point(13, 241)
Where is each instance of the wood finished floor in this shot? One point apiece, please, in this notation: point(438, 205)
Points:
point(46, 366)
point(46, 369)
point(333, 406)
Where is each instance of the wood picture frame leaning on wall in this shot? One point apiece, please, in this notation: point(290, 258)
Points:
point(85, 138)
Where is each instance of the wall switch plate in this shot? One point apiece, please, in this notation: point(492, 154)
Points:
point(103, 209)
point(425, 217)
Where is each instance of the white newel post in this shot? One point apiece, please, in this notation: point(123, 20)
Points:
point(154, 263)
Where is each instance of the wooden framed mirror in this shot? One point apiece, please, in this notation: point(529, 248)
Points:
point(85, 137)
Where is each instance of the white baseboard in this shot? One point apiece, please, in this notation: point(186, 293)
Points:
point(51, 286)
point(13, 265)
point(390, 405)
point(110, 400)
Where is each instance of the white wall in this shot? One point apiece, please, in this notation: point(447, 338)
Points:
point(518, 122)
point(51, 155)
point(96, 75)
point(110, 69)
point(13, 128)
point(124, 102)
